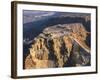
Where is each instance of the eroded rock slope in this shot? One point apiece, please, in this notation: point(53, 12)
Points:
point(59, 46)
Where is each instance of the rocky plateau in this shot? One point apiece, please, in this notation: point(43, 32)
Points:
point(61, 45)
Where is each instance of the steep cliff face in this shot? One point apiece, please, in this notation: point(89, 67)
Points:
point(59, 46)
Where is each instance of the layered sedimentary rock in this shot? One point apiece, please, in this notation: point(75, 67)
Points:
point(59, 46)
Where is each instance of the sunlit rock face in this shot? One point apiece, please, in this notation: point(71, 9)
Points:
point(59, 46)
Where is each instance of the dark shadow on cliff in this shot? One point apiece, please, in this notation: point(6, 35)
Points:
point(33, 29)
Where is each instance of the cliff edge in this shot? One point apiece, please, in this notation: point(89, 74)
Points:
point(59, 46)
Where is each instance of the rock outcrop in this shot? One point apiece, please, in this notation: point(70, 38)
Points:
point(59, 46)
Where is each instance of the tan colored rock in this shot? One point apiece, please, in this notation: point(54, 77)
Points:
point(62, 39)
point(68, 44)
point(57, 49)
point(29, 63)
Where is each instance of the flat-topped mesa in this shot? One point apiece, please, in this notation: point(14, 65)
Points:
point(76, 31)
point(66, 29)
point(54, 45)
